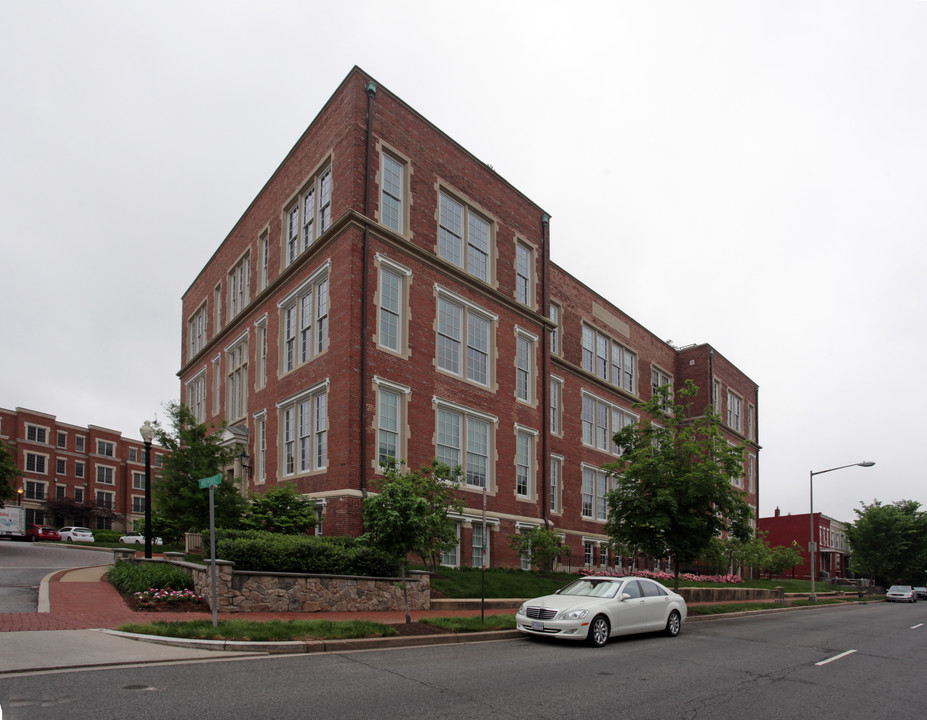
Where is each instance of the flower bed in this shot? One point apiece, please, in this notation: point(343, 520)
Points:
point(668, 577)
point(158, 599)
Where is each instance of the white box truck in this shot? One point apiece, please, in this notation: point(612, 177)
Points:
point(12, 522)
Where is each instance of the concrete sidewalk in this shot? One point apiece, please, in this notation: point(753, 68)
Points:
point(79, 613)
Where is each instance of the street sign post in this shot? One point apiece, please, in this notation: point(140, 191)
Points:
point(211, 482)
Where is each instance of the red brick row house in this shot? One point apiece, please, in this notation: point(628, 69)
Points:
point(832, 556)
point(388, 294)
point(77, 475)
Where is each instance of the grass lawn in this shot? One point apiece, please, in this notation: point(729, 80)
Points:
point(273, 630)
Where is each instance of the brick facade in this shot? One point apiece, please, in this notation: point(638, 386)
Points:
point(416, 321)
point(833, 551)
point(96, 472)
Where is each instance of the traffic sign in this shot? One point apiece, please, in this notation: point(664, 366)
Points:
point(208, 482)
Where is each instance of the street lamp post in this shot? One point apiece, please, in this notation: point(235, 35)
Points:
point(812, 545)
point(147, 433)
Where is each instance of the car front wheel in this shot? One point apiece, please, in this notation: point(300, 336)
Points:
point(673, 624)
point(598, 631)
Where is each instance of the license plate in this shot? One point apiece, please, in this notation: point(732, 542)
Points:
point(535, 625)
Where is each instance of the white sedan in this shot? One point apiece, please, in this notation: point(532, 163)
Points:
point(596, 608)
point(138, 538)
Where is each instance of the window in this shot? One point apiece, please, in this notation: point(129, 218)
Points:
point(196, 400)
point(304, 431)
point(391, 333)
point(556, 484)
point(524, 272)
point(79, 443)
point(658, 379)
point(390, 419)
point(104, 500)
point(734, 411)
point(217, 301)
point(391, 193)
point(239, 285)
point(587, 554)
point(608, 360)
point(79, 469)
point(36, 463)
point(461, 325)
point(310, 215)
point(480, 543)
point(138, 481)
point(237, 379)
point(138, 504)
point(106, 448)
point(62, 440)
point(556, 400)
point(751, 473)
point(524, 365)
point(260, 431)
point(36, 434)
point(60, 492)
point(450, 557)
point(262, 352)
point(79, 495)
point(158, 460)
point(196, 330)
point(104, 475)
point(524, 463)
point(595, 486)
point(216, 383)
point(464, 438)
point(305, 320)
point(133, 454)
point(464, 237)
point(600, 421)
point(555, 314)
point(716, 396)
point(264, 245)
point(35, 490)
point(61, 467)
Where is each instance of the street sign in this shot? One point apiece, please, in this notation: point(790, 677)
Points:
point(210, 481)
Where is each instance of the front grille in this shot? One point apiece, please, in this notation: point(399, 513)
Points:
point(540, 613)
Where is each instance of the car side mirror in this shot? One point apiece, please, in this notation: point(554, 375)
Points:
point(625, 596)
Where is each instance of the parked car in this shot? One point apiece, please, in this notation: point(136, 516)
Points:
point(595, 609)
point(138, 538)
point(920, 593)
point(901, 593)
point(76, 534)
point(41, 532)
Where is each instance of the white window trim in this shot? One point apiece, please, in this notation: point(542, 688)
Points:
point(305, 284)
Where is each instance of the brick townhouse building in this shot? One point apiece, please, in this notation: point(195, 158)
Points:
point(387, 294)
point(74, 475)
point(832, 558)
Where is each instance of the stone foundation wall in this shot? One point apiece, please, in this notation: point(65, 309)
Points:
point(240, 591)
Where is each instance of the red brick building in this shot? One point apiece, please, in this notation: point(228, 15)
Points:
point(389, 294)
point(74, 475)
point(833, 551)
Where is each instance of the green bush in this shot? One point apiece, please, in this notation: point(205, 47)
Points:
point(261, 551)
point(130, 577)
point(107, 536)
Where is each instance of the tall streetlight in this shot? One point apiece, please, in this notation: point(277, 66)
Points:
point(812, 545)
point(147, 433)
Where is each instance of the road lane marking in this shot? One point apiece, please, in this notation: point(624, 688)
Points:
point(835, 657)
point(915, 627)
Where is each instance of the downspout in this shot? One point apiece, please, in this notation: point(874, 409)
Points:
point(365, 313)
point(545, 373)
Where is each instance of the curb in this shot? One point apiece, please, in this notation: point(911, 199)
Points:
point(289, 647)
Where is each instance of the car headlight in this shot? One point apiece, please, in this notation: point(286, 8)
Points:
point(572, 615)
point(523, 610)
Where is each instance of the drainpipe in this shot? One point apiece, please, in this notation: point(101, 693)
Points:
point(365, 313)
point(545, 374)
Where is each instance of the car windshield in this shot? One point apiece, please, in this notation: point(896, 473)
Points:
point(899, 589)
point(592, 588)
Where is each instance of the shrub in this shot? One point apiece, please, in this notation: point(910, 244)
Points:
point(107, 536)
point(129, 577)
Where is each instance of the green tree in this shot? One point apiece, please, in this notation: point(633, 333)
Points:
point(8, 473)
point(542, 545)
point(409, 514)
point(674, 491)
point(889, 542)
point(195, 453)
point(781, 558)
point(282, 509)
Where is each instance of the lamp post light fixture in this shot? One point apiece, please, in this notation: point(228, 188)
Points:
point(147, 432)
point(19, 496)
point(812, 545)
point(244, 460)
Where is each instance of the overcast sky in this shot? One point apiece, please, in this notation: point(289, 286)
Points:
point(748, 174)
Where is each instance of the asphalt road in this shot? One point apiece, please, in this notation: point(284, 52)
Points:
point(850, 662)
point(24, 564)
